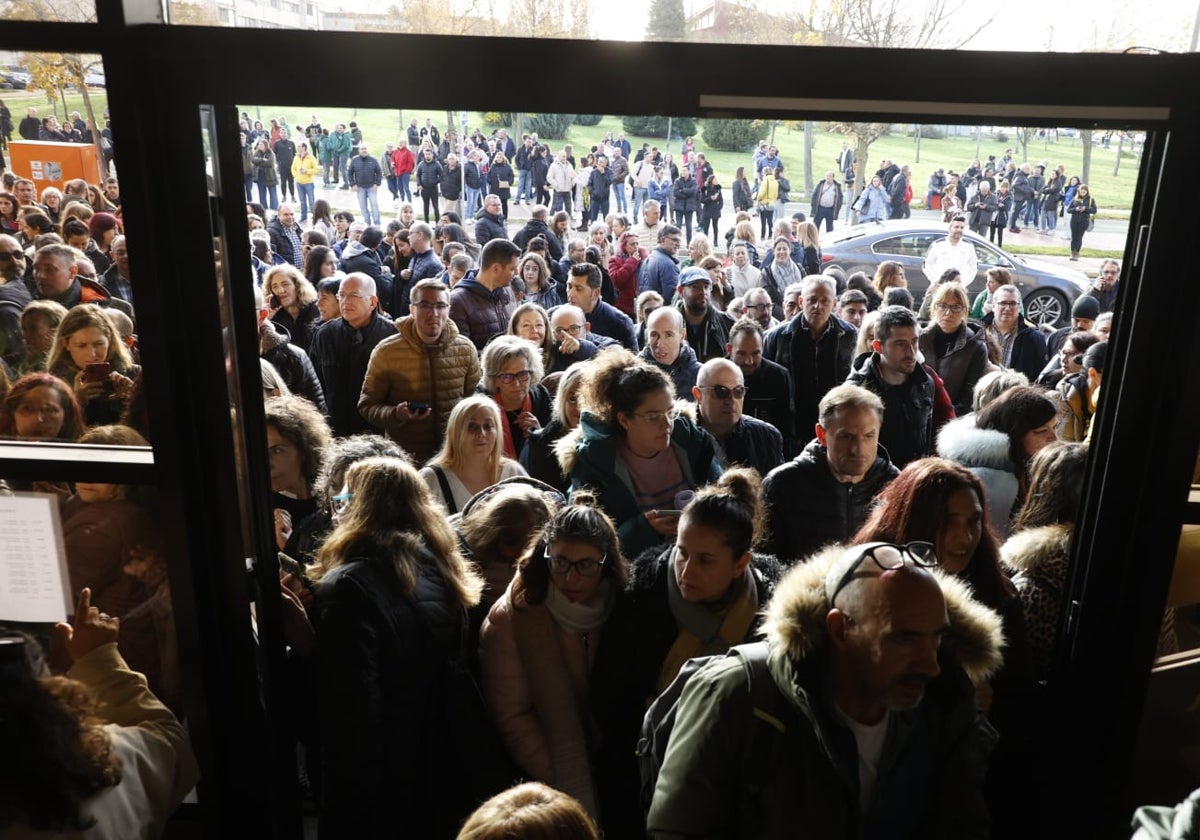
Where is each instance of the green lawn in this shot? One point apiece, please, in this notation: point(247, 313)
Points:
point(952, 153)
point(19, 100)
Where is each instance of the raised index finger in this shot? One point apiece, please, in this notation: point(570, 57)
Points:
point(85, 602)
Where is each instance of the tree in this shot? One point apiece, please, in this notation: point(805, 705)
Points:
point(553, 126)
point(53, 73)
point(667, 21)
point(192, 14)
point(1024, 135)
point(863, 135)
point(916, 24)
point(734, 135)
point(657, 126)
point(588, 119)
point(1085, 137)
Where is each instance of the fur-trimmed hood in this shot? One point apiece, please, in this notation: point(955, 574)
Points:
point(795, 618)
point(962, 441)
point(1038, 551)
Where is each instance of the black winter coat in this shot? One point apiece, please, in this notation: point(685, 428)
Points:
point(815, 367)
point(297, 371)
point(339, 354)
point(451, 184)
point(429, 175)
point(538, 456)
point(489, 227)
point(808, 508)
point(685, 195)
point(381, 663)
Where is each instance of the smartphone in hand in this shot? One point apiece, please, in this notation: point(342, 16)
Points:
point(97, 372)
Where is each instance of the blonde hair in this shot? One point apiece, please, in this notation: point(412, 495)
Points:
point(531, 811)
point(454, 448)
point(305, 293)
point(82, 317)
point(391, 512)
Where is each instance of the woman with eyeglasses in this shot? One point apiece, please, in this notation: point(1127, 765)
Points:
point(539, 456)
point(512, 373)
point(954, 347)
point(392, 593)
point(539, 643)
point(472, 457)
point(636, 450)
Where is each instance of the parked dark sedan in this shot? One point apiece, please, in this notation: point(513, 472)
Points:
point(1047, 290)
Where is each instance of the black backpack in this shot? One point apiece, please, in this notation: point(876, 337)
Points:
point(769, 706)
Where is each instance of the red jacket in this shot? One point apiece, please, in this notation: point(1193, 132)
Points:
point(624, 272)
point(403, 162)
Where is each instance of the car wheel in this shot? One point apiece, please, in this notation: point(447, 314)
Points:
point(1046, 306)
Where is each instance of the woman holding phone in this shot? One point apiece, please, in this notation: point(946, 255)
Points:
point(89, 356)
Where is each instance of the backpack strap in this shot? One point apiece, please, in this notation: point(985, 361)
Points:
point(771, 709)
point(447, 493)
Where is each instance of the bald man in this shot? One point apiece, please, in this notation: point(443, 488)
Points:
point(852, 719)
point(720, 392)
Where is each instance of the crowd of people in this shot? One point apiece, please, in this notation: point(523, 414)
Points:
point(522, 477)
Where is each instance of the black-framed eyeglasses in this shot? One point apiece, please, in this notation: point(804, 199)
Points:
point(758, 307)
point(889, 556)
point(12, 256)
point(587, 567)
point(521, 376)
point(722, 392)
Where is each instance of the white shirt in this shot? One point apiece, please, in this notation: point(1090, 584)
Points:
point(870, 748)
point(942, 255)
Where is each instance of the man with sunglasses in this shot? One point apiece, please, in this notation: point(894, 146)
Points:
point(719, 393)
point(860, 723)
point(915, 401)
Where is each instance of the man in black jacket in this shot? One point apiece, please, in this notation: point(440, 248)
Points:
point(897, 190)
point(342, 347)
point(740, 440)
point(822, 495)
point(768, 385)
point(707, 326)
point(489, 223)
point(915, 400)
point(536, 226)
point(285, 236)
point(366, 175)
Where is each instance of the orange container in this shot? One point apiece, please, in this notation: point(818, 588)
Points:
point(50, 164)
point(937, 201)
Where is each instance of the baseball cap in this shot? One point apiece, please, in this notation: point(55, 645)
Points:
point(694, 275)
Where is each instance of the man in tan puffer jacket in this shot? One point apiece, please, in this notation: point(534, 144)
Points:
point(416, 377)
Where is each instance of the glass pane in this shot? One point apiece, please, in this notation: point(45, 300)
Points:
point(66, 289)
point(928, 24)
point(54, 11)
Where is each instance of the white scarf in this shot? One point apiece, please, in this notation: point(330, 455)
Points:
point(582, 617)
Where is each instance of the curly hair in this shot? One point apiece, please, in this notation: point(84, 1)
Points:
point(617, 384)
point(57, 754)
point(305, 292)
point(301, 423)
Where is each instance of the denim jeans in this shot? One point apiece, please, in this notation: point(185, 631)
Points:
point(562, 201)
point(473, 201)
point(1050, 220)
point(405, 190)
point(368, 203)
point(249, 179)
point(265, 190)
point(825, 213)
point(639, 198)
point(523, 186)
point(598, 209)
point(1032, 212)
point(392, 186)
point(1018, 213)
point(619, 191)
point(327, 171)
point(308, 194)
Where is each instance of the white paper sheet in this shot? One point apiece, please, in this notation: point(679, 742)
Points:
point(34, 583)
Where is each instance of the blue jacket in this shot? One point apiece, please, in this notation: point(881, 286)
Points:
point(607, 320)
point(659, 192)
point(683, 371)
point(364, 172)
point(659, 273)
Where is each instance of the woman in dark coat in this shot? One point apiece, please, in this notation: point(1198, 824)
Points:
point(392, 592)
point(711, 204)
point(500, 178)
point(743, 198)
